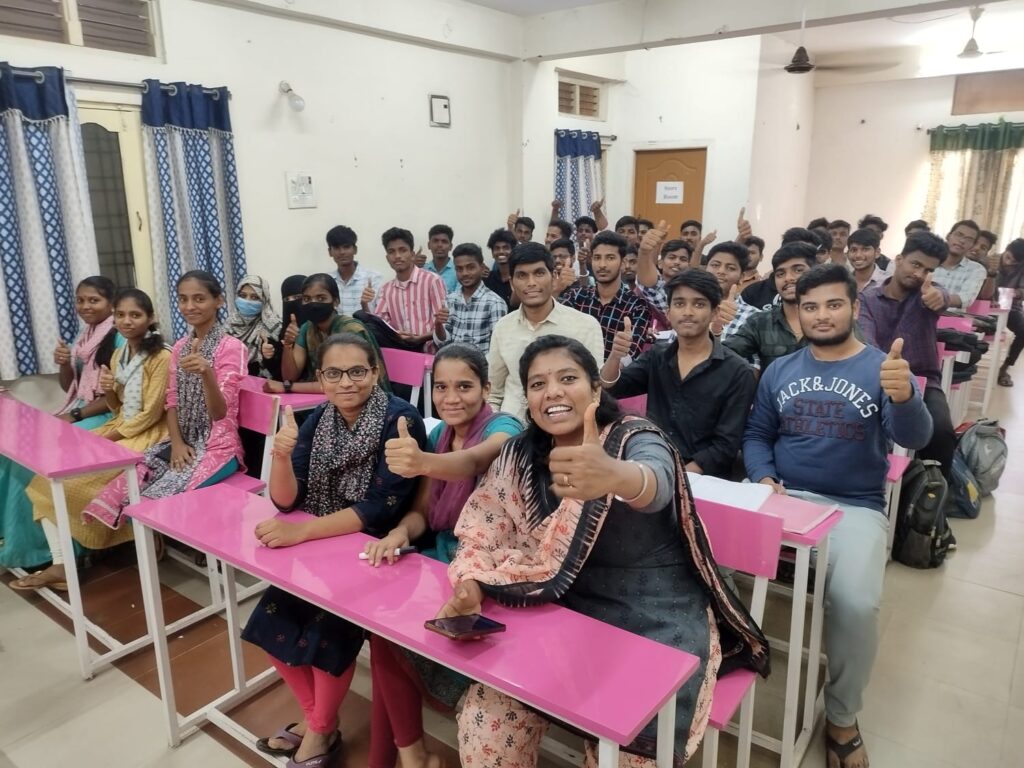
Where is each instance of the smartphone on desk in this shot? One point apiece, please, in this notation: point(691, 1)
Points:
point(469, 627)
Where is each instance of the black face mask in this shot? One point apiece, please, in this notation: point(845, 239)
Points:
point(317, 312)
point(293, 309)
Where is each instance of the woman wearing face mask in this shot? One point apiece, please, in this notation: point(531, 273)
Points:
point(254, 323)
point(300, 360)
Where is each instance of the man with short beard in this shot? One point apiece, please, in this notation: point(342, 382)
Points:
point(961, 277)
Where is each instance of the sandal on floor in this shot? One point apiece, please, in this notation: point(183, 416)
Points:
point(842, 751)
point(1004, 379)
point(326, 760)
point(285, 734)
point(36, 581)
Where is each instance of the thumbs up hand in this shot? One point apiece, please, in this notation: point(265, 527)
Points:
point(650, 243)
point(62, 353)
point(895, 375)
point(585, 471)
point(931, 295)
point(106, 380)
point(622, 342)
point(441, 316)
point(291, 332)
point(367, 297)
point(419, 258)
point(403, 453)
point(287, 436)
point(743, 229)
point(511, 220)
point(194, 362)
point(266, 348)
point(727, 309)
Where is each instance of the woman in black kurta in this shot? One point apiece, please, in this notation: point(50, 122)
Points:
point(334, 468)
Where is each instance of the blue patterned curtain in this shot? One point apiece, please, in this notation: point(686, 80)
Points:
point(577, 172)
point(192, 183)
point(47, 242)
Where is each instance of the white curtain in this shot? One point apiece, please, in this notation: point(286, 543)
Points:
point(577, 172)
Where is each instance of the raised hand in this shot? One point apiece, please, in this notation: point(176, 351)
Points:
point(622, 342)
point(418, 258)
point(556, 206)
point(931, 296)
point(441, 316)
point(106, 380)
point(596, 206)
point(511, 220)
point(650, 243)
point(743, 228)
point(62, 353)
point(727, 309)
point(403, 453)
point(287, 436)
point(194, 362)
point(563, 279)
point(291, 331)
point(367, 297)
point(708, 238)
point(896, 376)
point(266, 348)
point(584, 471)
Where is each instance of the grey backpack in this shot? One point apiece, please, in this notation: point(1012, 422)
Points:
point(983, 447)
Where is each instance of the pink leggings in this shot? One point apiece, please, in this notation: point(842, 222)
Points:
point(319, 693)
point(396, 718)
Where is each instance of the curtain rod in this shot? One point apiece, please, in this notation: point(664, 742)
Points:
point(40, 77)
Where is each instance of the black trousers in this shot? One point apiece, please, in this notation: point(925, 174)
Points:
point(1015, 322)
point(943, 443)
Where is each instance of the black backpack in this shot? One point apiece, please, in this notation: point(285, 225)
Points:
point(922, 536)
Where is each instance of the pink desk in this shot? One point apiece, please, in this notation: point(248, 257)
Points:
point(252, 387)
point(999, 306)
point(57, 450)
point(560, 662)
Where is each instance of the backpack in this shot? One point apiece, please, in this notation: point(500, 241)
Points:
point(964, 498)
point(983, 446)
point(922, 536)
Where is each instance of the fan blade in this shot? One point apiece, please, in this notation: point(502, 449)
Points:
point(880, 66)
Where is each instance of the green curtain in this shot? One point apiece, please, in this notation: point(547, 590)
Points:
point(993, 136)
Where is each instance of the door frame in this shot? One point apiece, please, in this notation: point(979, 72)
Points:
point(708, 145)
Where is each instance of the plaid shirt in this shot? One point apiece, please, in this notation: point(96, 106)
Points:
point(765, 336)
point(744, 312)
point(624, 304)
point(472, 322)
point(655, 294)
point(963, 280)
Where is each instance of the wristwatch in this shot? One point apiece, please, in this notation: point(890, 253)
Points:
point(76, 414)
point(287, 386)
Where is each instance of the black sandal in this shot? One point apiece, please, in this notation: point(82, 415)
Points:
point(843, 751)
point(285, 734)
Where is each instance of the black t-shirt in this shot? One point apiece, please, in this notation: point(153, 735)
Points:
point(760, 294)
point(499, 286)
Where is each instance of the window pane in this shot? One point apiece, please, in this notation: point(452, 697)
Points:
point(109, 207)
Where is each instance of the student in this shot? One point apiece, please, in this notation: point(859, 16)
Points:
point(321, 319)
point(982, 254)
point(961, 277)
point(538, 315)
point(409, 302)
point(689, 233)
point(134, 384)
point(523, 228)
point(499, 279)
point(698, 391)
point(658, 262)
point(586, 228)
point(333, 468)
point(439, 241)
point(254, 323)
point(353, 279)
point(206, 370)
point(564, 253)
point(627, 227)
point(616, 493)
point(460, 450)
point(776, 332)
point(862, 254)
point(609, 301)
point(824, 244)
point(469, 314)
point(755, 252)
point(879, 226)
point(907, 306)
point(629, 267)
point(819, 223)
point(762, 294)
point(643, 226)
point(727, 262)
point(917, 225)
point(1011, 277)
point(840, 399)
point(557, 230)
point(839, 230)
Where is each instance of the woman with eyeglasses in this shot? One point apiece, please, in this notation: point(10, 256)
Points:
point(302, 341)
point(334, 467)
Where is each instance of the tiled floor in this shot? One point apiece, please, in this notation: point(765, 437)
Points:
point(948, 688)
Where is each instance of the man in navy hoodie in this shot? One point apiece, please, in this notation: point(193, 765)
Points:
point(821, 426)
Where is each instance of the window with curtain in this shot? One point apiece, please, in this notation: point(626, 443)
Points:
point(977, 172)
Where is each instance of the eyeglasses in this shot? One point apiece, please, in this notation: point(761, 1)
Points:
point(356, 373)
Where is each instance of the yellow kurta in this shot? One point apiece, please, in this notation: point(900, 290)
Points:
point(145, 429)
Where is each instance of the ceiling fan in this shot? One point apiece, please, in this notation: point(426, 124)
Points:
point(801, 62)
point(971, 49)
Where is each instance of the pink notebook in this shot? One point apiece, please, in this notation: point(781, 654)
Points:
point(800, 515)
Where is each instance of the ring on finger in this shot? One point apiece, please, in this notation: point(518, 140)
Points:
point(565, 480)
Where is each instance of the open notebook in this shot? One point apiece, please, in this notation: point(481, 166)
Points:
point(800, 515)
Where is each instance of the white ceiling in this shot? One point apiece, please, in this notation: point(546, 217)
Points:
point(534, 7)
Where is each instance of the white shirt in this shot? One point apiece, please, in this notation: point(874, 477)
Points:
point(352, 290)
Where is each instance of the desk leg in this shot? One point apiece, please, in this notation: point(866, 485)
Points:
point(608, 753)
point(994, 362)
point(796, 645)
point(814, 648)
point(667, 733)
point(234, 629)
point(67, 546)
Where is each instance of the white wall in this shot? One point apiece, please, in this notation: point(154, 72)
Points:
point(869, 152)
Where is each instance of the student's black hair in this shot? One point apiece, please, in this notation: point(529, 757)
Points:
point(626, 221)
point(530, 253)
point(824, 239)
point(105, 287)
point(917, 224)
point(821, 221)
point(701, 281)
point(586, 220)
point(870, 220)
point(927, 243)
point(632, 250)
point(691, 223)
point(501, 236)
point(864, 236)
point(1016, 249)
point(348, 339)
point(563, 226)
point(468, 354)
point(991, 237)
point(677, 245)
point(397, 233)
point(152, 341)
point(341, 237)
point(441, 229)
point(800, 235)
point(754, 240)
point(795, 250)
point(205, 279)
point(838, 224)
point(736, 250)
point(325, 280)
point(468, 249)
point(563, 242)
point(644, 223)
point(527, 222)
point(610, 238)
point(826, 274)
point(538, 442)
point(969, 223)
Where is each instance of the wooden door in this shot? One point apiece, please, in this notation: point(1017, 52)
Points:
point(668, 200)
